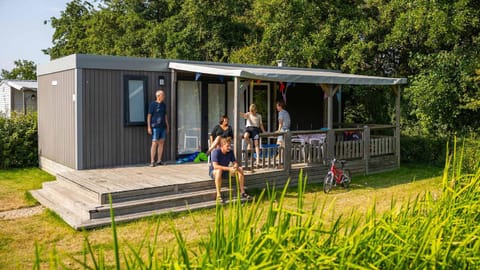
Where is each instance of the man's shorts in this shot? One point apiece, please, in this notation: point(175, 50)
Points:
point(253, 132)
point(225, 174)
point(158, 133)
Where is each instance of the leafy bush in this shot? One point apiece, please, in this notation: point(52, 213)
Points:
point(424, 150)
point(19, 141)
point(432, 151)
point(470, 153)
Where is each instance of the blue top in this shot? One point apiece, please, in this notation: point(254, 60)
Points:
point(222, 159)
point(283, 115)
point(158, 112)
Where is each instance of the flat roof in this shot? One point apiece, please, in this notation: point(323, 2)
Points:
point(285, 74)
point(255, 72)
point(90, 61)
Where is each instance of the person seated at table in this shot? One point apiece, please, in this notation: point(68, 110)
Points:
point(220, 169)
point(254, 127)
point(222, 130)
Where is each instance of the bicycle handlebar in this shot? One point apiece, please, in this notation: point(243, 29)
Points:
point(336, 160)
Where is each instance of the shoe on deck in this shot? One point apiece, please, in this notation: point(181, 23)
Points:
point(220, 200)
point(245, 196)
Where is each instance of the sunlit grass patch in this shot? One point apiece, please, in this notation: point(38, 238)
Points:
point(15, 184)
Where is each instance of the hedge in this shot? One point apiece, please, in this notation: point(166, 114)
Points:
point(432, 150)
point(19, 141)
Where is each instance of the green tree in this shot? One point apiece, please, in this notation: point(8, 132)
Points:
point(433, 43)
point(23, 70)
point(282, 30)
point(437, 44)
point(70, 35)
point(206, 30)
point(197, 30)
point(443, 95)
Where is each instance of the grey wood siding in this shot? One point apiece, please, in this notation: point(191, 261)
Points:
point(56, 117)
point(107, 141)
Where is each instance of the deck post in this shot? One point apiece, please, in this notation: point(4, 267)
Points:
point(237, 141)
point(396, 90)
point(287, 152)
point(366, 144)
point(173, 115)
point(330, 144)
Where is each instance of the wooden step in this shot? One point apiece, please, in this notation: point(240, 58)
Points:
point(150, 192)
point(106, 221)
point(79, 188)
point(155, 203)
point(72, 218)
point(70, 198)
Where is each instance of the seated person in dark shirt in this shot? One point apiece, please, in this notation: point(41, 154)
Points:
point(221, 158)
point(222, 130)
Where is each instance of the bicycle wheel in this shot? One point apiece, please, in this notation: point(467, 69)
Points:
point(346, 178)
point(328, 182)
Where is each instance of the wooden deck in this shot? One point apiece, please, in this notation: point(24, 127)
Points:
point(81, 198)
point(122, 179)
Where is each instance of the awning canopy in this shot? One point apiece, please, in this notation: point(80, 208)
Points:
point(285, 74)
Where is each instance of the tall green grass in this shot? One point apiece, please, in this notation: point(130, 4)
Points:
point(426, 232)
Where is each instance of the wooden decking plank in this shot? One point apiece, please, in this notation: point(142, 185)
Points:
point(80, 177)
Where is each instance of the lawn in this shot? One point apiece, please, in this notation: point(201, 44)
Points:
point(18, 237)
point(15, 183)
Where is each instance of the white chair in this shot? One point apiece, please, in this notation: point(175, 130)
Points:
point(187, 141)
point(300, 141)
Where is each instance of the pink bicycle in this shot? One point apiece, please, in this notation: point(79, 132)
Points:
point(336, 176)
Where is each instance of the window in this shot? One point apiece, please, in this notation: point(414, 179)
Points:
point(135, 100)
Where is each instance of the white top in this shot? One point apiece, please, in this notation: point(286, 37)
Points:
point(253, 120)
point(285, 117)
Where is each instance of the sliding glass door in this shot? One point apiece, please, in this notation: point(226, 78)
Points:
point(189, 119)
point(216, 104)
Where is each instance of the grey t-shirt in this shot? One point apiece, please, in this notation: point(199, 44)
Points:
point(283, 115)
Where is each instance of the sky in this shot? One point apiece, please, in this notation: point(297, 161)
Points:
point(22, 32)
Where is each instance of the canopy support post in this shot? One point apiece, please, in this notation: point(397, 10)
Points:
point(397, 91)
point(173, 114)
point(330, 89)
point(237, 150)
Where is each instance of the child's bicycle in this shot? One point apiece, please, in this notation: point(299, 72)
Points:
point(336, 176)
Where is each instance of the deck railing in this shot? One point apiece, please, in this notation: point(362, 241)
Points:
point(315, 146)
point(353, 143)
point(272, 156)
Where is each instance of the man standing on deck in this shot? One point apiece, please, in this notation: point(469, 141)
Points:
point(158, 127)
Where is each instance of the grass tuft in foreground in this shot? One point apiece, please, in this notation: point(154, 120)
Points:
point(425, 232)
